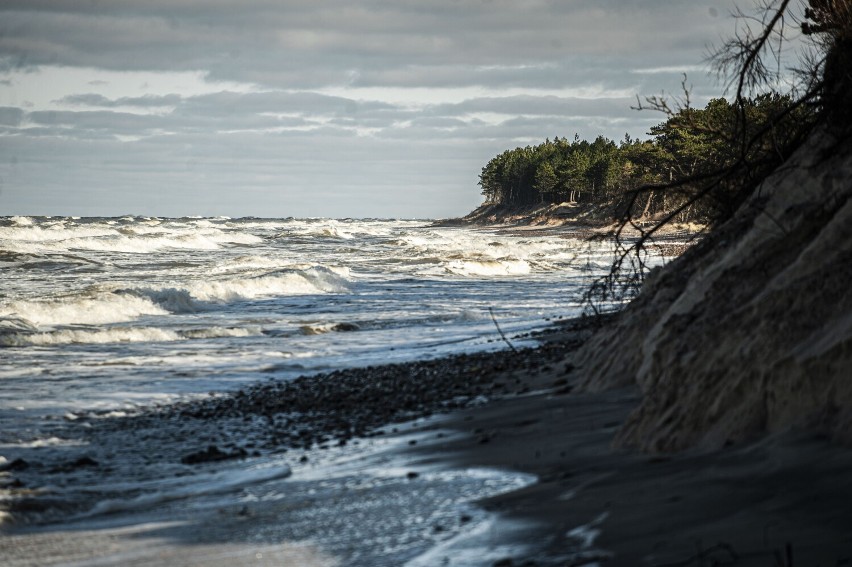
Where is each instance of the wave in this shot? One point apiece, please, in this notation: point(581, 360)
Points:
point(76, 336)
point(248, 263)
point(10, 324)
point(89, 309)
point(501, 267)
point(136, 238)
point(118, 303)
point(121, 335)
point(337, 229)
point(288, 281)
point(20, 221)
point(322, 328)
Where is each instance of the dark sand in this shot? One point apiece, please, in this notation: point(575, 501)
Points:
point(739, 506)
point(779, 501)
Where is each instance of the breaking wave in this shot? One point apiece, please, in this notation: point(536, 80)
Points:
point(501, 267)
point(117, 304)
point(98, 309)
point(121, 335)
point(139, 238)
point(317, 279)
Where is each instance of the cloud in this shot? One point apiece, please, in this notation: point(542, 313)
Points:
point(318, 108)
point(10, 116)
point(305, 44)
point(147, 101)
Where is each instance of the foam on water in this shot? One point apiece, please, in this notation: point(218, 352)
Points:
point(107, 315)
point(121, 335)
point(86, 309)
point(136, 238)
point(497, 267)
point(159, 291)
point(111, 313)
point(116, 303)
point(21, 221)
point(318, 279)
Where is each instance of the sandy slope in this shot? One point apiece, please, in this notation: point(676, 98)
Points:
point(751, 331)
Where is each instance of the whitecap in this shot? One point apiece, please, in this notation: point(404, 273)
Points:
point(94, 336)
point(21, 221)
point(86, 309)
point(317, 279)
point(221, 332)
point(485, 267)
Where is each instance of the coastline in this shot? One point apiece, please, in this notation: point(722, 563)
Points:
point(750, 503)
point(746, 505)
point(578, 220)
point(590, 504)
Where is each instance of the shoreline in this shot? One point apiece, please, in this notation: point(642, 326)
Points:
point(746, 504)
point(591, 504)
point(579, 221)
point(319, 421)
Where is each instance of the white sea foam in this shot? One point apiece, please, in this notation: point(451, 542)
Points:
point(100, 336)
point(318, 279)
point(501, 267)
point(331, 230)
point(55, 232)
point(81, 309)
point(45, 442)
point(117, 303)
point(21, 221)
point(136, 238)
point(122, 335)
point(221, 332)
point(247, 263)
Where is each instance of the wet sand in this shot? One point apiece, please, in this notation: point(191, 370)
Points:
point(745, 505)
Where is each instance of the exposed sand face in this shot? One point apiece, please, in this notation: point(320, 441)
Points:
point(751, 332)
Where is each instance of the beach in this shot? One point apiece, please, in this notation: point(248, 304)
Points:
point(577, 500)
point(490, 458)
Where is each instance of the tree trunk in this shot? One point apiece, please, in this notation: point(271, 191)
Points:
point(648, 204)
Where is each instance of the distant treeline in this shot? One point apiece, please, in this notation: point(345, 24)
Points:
point(689, 144)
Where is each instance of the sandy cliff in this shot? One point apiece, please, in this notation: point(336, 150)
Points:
point(750, 331)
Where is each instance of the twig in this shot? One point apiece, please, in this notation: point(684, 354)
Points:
point(499, 330)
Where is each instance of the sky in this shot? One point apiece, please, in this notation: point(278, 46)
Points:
point(320, 108)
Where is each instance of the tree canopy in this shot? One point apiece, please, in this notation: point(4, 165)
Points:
point(684, 150)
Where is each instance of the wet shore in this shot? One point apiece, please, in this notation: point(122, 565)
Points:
point(513, 411)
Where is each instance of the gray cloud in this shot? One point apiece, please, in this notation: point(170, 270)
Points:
point(268, 111)
point(516, 71)
point(146, 101)
point(308, 44)
point(10, 116)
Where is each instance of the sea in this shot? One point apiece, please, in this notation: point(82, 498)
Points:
point(108, 316)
